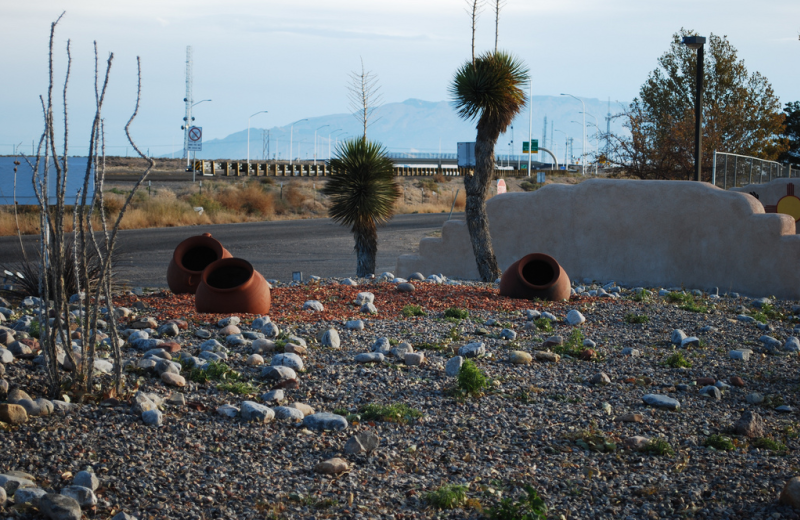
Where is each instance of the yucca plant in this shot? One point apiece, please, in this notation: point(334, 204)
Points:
point(489, 89)
point(362, 192)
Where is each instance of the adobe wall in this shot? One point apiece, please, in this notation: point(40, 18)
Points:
point(770, 193)
point(650, 233)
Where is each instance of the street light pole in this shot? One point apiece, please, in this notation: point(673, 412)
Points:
point(291, 136)
point(315, 143)
point(189, 118)
point(583, 146)
point(596, 150)
point(248, 138)
point(697, 43)
point(530, 126)
point(329, 140)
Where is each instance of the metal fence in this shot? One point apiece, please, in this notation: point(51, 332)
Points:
point(733, 170)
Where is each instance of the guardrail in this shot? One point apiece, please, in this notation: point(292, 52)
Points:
point(740, 170)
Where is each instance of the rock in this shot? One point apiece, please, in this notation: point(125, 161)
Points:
point(705, 381)
point(349, 281)
point(508, 334)
point(325, 421)
point(784, 409)
point(230, 330)
point(472, 350)
point(416, 276)
point(754, 398)
point(601, 378)
point(574, 317)
point(166, 367)
point(405, 287)
point(414, 358)
point(369, 357)
point(259, 322)
point(176, 399)
point(750, 424)
point(531, 314)
point(274, 396)
point(589, 343)
point(549, 316)
point(86, 479)
point(84, 496)
point(364, 297)
point(711, 392)
point(792, 344)
point(279, 373)
point(519, 357)
point(637, 442)
point(364, 442)
point(229, 321)
point(26, 495)
point(737, 381)
point(124, 516)
point(677, 337)
point(144, 323)
point(252, 411)
point(740, 354)
point(18, 348)
point(630, 417)
point(662, 401)
point(402, 349)
point(546, 355)
point(313, 305)
point(158, 353)
point(3, 497)
point(13, 414)
point(331, 339)
point(290, 360)
point(59, 507)
point(630, 351)
point(744, 318)
point(355, 325)
point(587, 354)
point(270, 330)
point(255, 360)
point(790, 495)
point(382, 345)
point(759, 303)
point(369, 308)
point(3, 386)
point(228, 410)
point(284, 413)
point(332, 466)
point(10, 483)
point(552, 341)
point(291, 348)
point(6, 356)
point(142, 403)
point(171, 379)
point(691, 341)
point(153, 417)
point(770, 343)
point(262, 346)
point(169, 330)
point(453, 366)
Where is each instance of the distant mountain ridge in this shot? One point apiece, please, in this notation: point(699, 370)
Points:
point(415, 125)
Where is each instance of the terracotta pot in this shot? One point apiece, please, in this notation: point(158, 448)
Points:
point(535, 276)
point(230, 286)
point(189, 260)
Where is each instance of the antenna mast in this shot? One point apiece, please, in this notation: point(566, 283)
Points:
point(187, 120)
point(608, 129)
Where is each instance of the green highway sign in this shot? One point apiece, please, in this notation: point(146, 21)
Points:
point(533, 145)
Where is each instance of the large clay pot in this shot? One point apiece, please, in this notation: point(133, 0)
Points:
point(535, 276)
point(231, 286)
point(189, 260)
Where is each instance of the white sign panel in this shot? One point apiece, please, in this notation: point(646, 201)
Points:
point(501, 186)
point(195, 139)
point(466, 155)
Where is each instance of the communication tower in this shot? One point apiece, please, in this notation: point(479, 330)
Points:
point(187, 119)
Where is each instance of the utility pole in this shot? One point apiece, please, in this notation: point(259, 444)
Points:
point(187, 119)
point(608, 129)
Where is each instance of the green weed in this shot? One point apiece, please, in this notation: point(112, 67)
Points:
point(659, 447)
point(412, 310)
point(573, 346)
point(214, 371)
point(456, 313)
point(471, 379)
point(771, 445)
point(35, 329)
point(238, 388)
point(677, 360)
point(529, 507)
point(719, 442)
point(448, 496)
point(543, 324)
point(399, 413)
point(636, 318)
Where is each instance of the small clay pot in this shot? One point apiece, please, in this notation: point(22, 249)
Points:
point(189, 260)
point(231, 286)
point(535, 276)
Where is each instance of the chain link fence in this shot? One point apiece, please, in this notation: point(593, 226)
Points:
point(733, 170)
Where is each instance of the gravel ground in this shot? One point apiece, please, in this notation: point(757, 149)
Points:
point(543, 423)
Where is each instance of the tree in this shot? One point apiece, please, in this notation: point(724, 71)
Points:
point(792, 134)
point(741, 114)
point(487, 89)
point(362, 191)
point(364, 96)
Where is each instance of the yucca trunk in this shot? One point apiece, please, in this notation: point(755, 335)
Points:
point(477, 187)
point(366, 248)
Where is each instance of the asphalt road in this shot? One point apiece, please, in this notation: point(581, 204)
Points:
point(276, 249)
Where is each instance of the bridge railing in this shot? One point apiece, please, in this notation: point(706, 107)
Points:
point(733, 170)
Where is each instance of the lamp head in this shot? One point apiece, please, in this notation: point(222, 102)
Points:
point(694, 42)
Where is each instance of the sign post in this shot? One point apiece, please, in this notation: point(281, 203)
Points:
point(532, 147)
point(195, 143)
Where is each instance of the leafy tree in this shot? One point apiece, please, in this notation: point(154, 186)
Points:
point(741, 114)
point(792, 134)
point(362, 191)
point(488, 89)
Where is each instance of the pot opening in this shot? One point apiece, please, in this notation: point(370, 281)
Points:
point(198, 258)
point(228, 277)
point(538, 272)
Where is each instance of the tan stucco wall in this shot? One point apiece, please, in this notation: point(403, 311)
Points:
point(771, 192)
point(654, 233)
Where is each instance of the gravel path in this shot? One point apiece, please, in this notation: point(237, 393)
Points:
point(544, 423)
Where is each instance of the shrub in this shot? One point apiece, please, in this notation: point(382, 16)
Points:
point(659, 447)
point(471, 379)
point(719, 442)
point(448, 496)
point(397, 413)
point(456, 313)
point(412, 310)
point(530, 186)
point(214, 371)
point(543, 324)
point(573, 346)
point(677, 360)
point(771, 445)
point(679, 297)
point(529, 507)
point(636, 318)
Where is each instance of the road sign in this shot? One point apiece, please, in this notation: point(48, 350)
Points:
point(466, 155)
point(501, 186)
point(195, 139)
point(534, 144)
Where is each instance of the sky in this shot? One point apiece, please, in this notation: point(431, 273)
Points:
point(293, 57)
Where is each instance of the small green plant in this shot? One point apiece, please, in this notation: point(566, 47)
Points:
point(454, 334)
point(719, 442)
point(412, 310)
point(636, 318)
point(543, 324)
point(429, 346)
point(456, 313)
point(764, 443)
point(770, 312)
point(640, 296)
point(659, 447)
point(237, 387)
point(214, 371)
point(573, 346)
point(448, 496)
point(679, 297)
point(399, 413)
point(758, 316)
point(529, 507)
point(471, 379)
point(341, 411)
point(677, 360)
point(35, 329)
point(694, 307)
point(529, 186)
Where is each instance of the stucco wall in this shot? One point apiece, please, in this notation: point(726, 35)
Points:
point(655, 233)
point(770, 193)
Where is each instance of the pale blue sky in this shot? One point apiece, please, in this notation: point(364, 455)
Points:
point(292, 57)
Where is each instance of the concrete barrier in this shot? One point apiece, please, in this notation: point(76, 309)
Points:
point(651, 233)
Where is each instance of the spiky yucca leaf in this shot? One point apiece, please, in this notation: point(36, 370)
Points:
point(362, 187)
point(490, 89)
